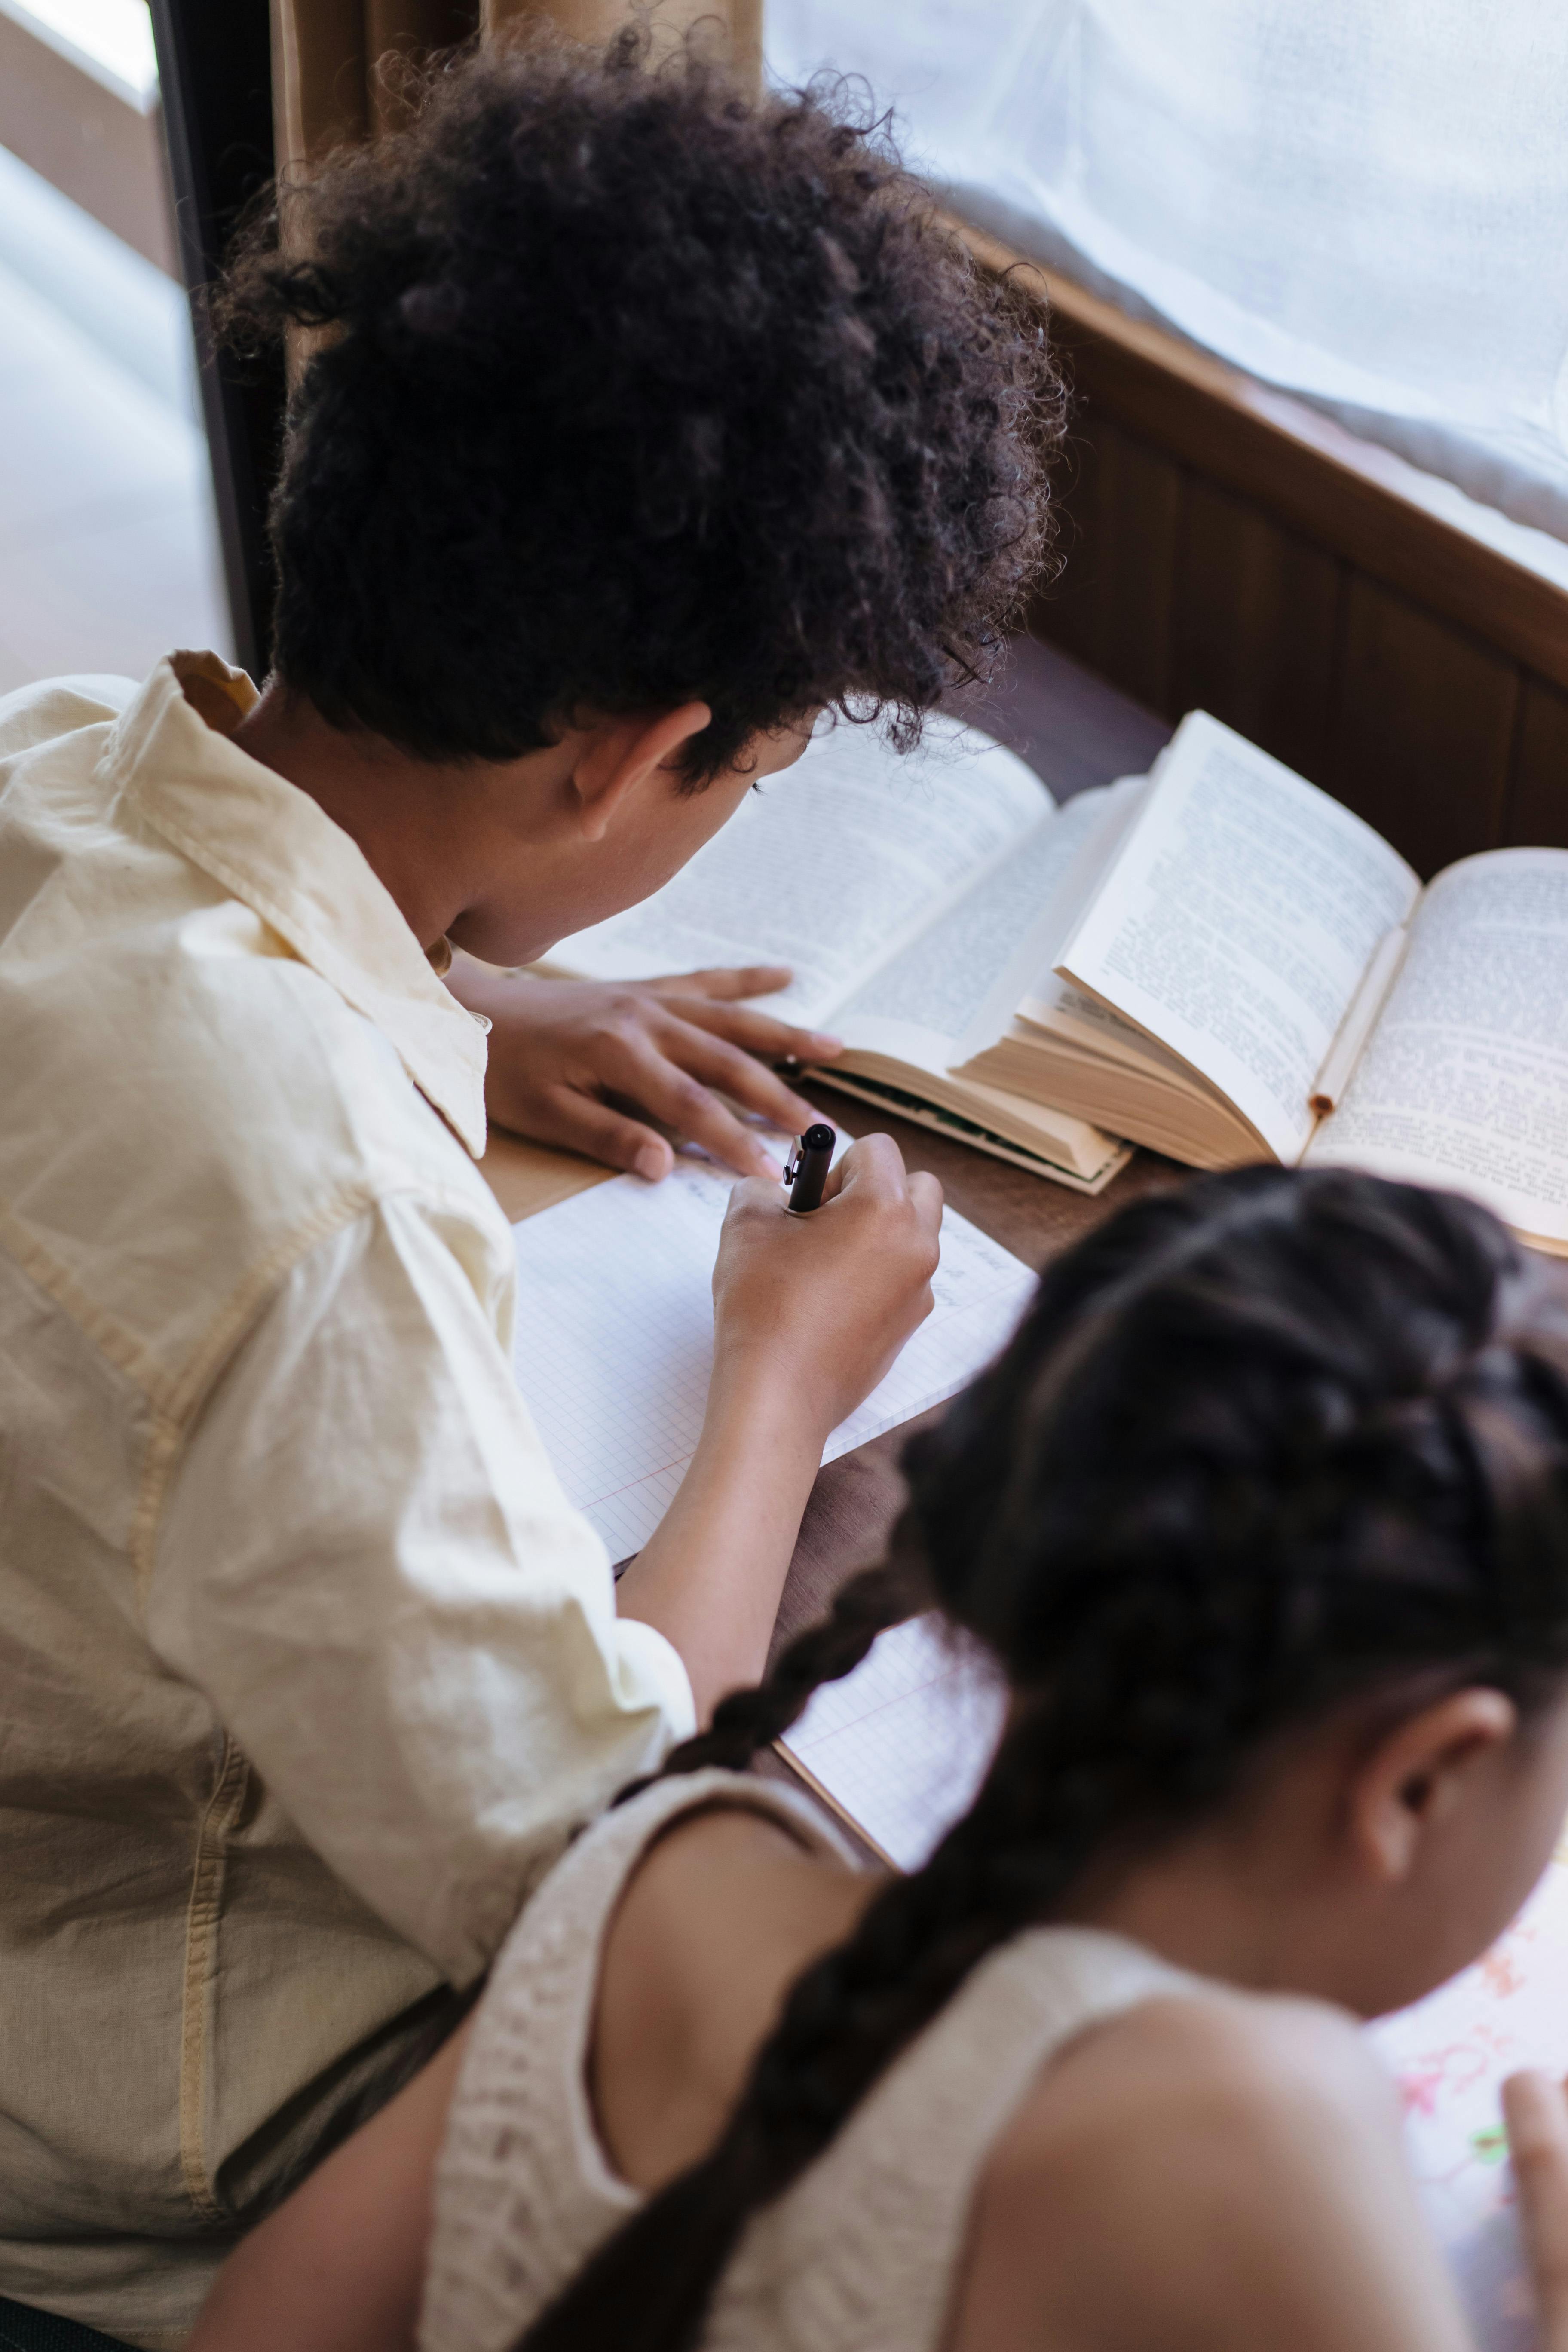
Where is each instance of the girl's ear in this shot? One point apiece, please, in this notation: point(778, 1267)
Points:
point(1418, 1777)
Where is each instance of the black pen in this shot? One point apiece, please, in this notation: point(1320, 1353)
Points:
point(806, 1172)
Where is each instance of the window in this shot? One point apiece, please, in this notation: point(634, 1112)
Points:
point(1365, 202)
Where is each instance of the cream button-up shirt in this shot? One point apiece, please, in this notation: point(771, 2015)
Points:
point(306, 1667)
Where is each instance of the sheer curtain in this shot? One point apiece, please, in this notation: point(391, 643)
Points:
point(1365, 202)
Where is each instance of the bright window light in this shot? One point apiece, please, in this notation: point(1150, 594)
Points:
point(114, 38)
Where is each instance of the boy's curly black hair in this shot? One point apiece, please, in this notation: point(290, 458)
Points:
point(634, 391)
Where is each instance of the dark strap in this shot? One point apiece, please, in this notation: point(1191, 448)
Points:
point(23, 2329)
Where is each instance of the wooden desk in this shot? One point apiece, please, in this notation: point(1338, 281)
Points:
point(1075, 731)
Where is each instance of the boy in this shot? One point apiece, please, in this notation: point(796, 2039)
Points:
point(641, 427)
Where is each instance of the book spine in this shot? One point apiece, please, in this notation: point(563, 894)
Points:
point(1360, 1021)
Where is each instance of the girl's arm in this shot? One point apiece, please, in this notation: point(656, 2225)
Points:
point(1219, 2173)
point(340, 2266)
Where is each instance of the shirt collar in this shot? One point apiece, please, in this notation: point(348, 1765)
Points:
point(271, 846)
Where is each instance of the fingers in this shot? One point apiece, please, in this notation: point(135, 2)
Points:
point(678, 1097)
point(580, 1122)
point(874, 1167)
point(925, 1192)
point(683, 1054)
point(726, 981)
point(757, 1032)
point(1536, 2113)
point(709, 1000)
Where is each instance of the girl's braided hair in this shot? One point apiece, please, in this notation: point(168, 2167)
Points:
point(1261, 1443)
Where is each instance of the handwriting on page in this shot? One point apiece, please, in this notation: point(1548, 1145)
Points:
point(615, 1339)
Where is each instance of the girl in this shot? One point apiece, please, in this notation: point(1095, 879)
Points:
point(1264, 1517)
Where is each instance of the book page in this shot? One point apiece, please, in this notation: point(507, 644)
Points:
point(828, 868)
point(614, 1338)
point(901, 1745)
point(1464, 1080)
point(919, 1006)
point(1237, 923)
point(1448, 2056)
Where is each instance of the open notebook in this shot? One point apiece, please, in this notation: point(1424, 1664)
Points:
point(899, 1748)
point(614, 1338)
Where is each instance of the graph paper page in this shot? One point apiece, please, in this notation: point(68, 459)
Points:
point(615, 1339)
point(902, 1744)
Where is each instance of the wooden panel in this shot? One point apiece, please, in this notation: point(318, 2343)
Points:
point(97, 147)
point(1140, 497)
point(1423, 728)
point(1068, 606)
point(1307, 472)
point(1111, 606)
point(1256, 628)
point(1538, 790)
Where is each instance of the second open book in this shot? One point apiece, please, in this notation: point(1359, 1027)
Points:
point(1218, 960)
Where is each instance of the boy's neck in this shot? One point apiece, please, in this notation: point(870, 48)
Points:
point(417, 822)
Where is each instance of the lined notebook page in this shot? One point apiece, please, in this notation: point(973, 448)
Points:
point(615, 1339)
point(901, 1745)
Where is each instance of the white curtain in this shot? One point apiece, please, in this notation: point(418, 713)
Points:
point(1365, 202)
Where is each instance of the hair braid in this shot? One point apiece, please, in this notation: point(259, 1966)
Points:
point(750, 1720)
point(1258, 1445)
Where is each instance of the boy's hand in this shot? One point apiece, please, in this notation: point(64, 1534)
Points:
point(816, 1308)
point(1536, 2113)
point(809, 1312)
point(559, 1047)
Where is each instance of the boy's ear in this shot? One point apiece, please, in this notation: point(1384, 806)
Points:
point(619, 754)
point(1420, 1775)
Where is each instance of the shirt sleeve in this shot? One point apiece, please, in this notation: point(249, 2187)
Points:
point(367, 1564)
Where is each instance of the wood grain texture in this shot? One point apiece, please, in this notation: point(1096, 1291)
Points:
point(1256, 626)
point(1139, 519)
point(1424, 727)
point(1067, 609)
point(1537, 810)
point(1302, 469)
point(527, 1176)
point(1122, 513)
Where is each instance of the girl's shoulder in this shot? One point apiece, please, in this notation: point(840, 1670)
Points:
point(1210, 2166)
point(722, 1913)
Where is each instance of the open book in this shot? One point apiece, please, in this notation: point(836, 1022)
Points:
point(902, 891)
point(1237, 967)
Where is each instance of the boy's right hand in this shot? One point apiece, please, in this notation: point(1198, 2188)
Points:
point(820, 1305)
point(1536, 2112)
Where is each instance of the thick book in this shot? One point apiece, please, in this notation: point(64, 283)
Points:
point(904, 892)
point(1237, 968)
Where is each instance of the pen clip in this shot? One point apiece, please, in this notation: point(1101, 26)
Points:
point(791, 1164)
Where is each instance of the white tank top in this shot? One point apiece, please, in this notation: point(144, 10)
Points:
point(860, 2254)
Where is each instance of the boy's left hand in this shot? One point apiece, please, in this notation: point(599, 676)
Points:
point(560, 1049)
